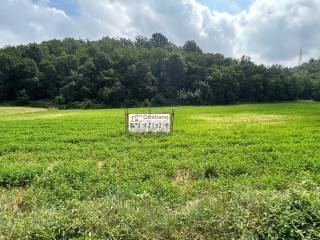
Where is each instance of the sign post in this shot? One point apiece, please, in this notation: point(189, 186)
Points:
point(149, 122)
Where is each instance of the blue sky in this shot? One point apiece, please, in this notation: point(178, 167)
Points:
point(232, 6)
point(70, 7)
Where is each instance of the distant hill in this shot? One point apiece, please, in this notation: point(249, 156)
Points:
point(121, 72)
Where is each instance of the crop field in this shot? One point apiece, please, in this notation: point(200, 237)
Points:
point(226, 172)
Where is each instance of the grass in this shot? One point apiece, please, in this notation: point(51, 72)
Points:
point(226, 172)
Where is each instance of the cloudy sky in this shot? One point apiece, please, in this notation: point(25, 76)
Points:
point(270, 31)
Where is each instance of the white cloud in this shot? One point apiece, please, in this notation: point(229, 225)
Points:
point(270, 31)
point(273, 31)
point(23, 22)
point(179, 20)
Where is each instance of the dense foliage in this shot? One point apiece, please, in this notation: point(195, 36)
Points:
point(121, 72)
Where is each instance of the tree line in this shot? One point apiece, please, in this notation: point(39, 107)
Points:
point(143, 72)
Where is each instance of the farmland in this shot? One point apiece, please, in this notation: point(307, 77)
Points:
point(226, 172)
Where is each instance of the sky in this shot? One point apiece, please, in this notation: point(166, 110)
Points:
point(230, 6)
point(269, 31)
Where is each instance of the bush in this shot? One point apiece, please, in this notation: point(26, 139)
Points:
point(42, 104)
point(316, 96)
point(159, 100)
point(59, 100)
point(290, 214)
point(293, 217)
point(211, 172)
point(189, 97)
point(18, 176)
point(23, 97)
point(146, 103)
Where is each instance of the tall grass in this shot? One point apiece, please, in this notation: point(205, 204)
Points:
point(235, 172)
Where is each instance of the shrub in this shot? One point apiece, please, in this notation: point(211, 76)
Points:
point(290, 214)
point(316, 96)
point(23, 97)
point(60, 100)
point(211, 172)
point(18, 176)
point(292, 217)
point(158, 100)
point(146, 103)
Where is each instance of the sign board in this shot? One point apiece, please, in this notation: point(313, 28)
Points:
point(150, 122)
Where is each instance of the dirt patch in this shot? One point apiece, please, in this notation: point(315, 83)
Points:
point(100, 165)
point(238, 118)
point(13, 200)
point(44, 116)
point(191, 205)
point(5, 111)
point(181, 176)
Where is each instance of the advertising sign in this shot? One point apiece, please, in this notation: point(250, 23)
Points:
point(150, 122)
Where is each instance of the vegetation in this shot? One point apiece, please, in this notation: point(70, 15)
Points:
point(109, 72)
point(228, 172)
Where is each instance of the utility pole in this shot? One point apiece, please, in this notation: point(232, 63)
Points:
point(300, 57)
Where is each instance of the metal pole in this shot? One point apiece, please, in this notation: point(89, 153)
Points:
point(126, 117)
point(172, 119)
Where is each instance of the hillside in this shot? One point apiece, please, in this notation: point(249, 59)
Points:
point(110, 72)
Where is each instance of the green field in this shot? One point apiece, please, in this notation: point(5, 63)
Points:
point(226, 172)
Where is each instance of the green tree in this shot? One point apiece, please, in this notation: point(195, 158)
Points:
point(191, 47)
point(25, 77)
point(34, 52)
point(23, 97)
point(122, 72)
point(7, 87)
point(174, 75)
point(159, 40)
point(48, 84)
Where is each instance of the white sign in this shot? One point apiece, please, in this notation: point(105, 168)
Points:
point(153, 122)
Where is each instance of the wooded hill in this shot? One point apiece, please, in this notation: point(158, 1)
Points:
point(144, 72)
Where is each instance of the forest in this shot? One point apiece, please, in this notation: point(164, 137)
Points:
point(75, 73)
